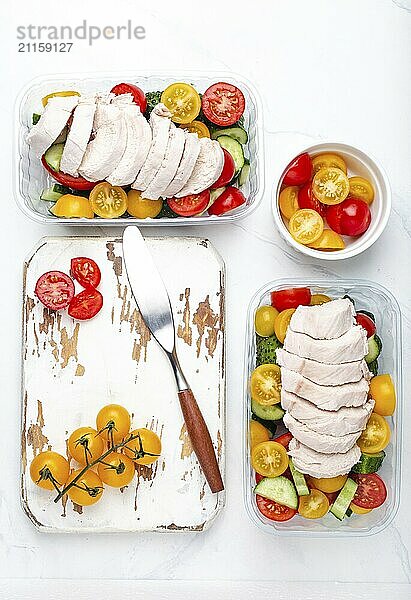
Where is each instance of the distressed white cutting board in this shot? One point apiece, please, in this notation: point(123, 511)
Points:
point(71, 369)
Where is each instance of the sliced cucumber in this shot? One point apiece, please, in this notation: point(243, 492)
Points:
point(235, 149)
point(35, 118)
point(299, 480)
point(61, 189)
point(49, 195)
point(374, 348)
point(237, 133)
point(244, 173)
point(344, 499)
point(270, 425)
point(373, 367)
point(369, 463)
point(268, 413)
point(279, 489)
point(214, 194)
point(53, 156)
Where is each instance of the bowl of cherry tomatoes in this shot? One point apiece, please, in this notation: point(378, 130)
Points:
point(332, 201)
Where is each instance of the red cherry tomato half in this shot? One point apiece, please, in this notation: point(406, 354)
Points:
point(332, 496)
point(230, 199)
point(371, 491)
point(258, 477)
point(86, 304)
point(223, 104)
point(299, 170)
point(85, 271)
point(306, 199)
point(188, 206)
point(227, 173)
point(137, 93)
point(284, 439)
point(75, 183)
point(291, 298)
point(350, 217)
point(55, 290)
point(366, 322)
point(274, 511)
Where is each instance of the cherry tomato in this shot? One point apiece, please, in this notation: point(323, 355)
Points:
point(71, 206)
point(382, 391)
point(361, 188)
point(313, 506)
point(139, 96)
point(330, 186)
point(55, 290)
point(367, 323)
point(183, 101)
point(284, 439)
point(230, 199)
point(84, 445)
point(145, 448)
point(197, 127)
point(274, 511)
point(189, 206)
point(288, 201)
point(108, 201)
point(306, 199)
point(371, 491)
point(227, 173)
point(269, 458)
point(258, 477)
point(376, 435)
point(113, 422)
point(86, 271)
point(223, 104)
point(265, 384)
point(299, 170)
point(74, 183)
point(328, 240)
point(257, 433)
point(87, 490)
point(350, 217)
point(86, 304)
point(62, 94)
point(329, 485)
point(306, 226)
point(48, 467)
point(140, 207)
point(282, 322)
point(116, 470)
point(264, 320)
point(290, 298)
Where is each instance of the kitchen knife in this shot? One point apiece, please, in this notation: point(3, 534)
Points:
point(153, 302)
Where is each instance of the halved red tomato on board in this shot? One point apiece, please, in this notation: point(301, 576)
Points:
point(86, 271)
point(74, 183)
point(306, 199)
point(55, 290)
point(274, 511)
point(230, 199)
point(188, 206)
point(284, 439)
point(227, 173)
point(139, 96)
point(371, 491)
point(223, 104)
point(290, 298)
point(86, 304)
point(367, 323)
point(299, 170)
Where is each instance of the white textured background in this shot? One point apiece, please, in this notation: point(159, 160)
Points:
point(336, 69)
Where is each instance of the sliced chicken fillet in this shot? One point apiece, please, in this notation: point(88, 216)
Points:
point(56, 114)
point(351, 346)
point(321, 442)
point(325, 321)
point(78, 136)
point(169, 166)
point(317, 464)
point(186, 166)
point(207, 169)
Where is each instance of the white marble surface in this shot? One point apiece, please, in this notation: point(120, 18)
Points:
point(336, 69)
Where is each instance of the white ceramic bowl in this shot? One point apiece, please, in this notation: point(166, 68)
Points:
point(358, 163)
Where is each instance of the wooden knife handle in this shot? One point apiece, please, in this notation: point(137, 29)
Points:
point(201, 440)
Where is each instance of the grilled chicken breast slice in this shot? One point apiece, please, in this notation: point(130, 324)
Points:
point(186, 166)
point(325, 321)
point(207, 169)
point(78, 135)
point(169, 166)
point(321, 442)
point(351, 346)
point(317, 464)
point(56, 114)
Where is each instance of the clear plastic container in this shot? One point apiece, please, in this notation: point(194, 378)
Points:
point(31, 178)
point(377, 299)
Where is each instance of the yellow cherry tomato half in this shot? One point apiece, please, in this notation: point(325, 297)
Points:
point(313, 506)
point(258, 433)
point(361, 188)
point(113, 423)
point(269, 459)
point(87, 490)
point(108, 201)
point(376, 435)
point(264, 320)
point(84, 445)
point(306, 226)
point(282, 322)
point(197, 127)
point(329, 485)
point(359, 510)
point(330, 186)
point(47, 467)
point(62, 94)
point(145, 449)
point(382, 391)
point(317, 299)
point(288, 201)
point(183, 101)
point(117, 470)
point(265, 384)
point(328, 240)
point(141, 208)
point(71, 206)
point(327, 160)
